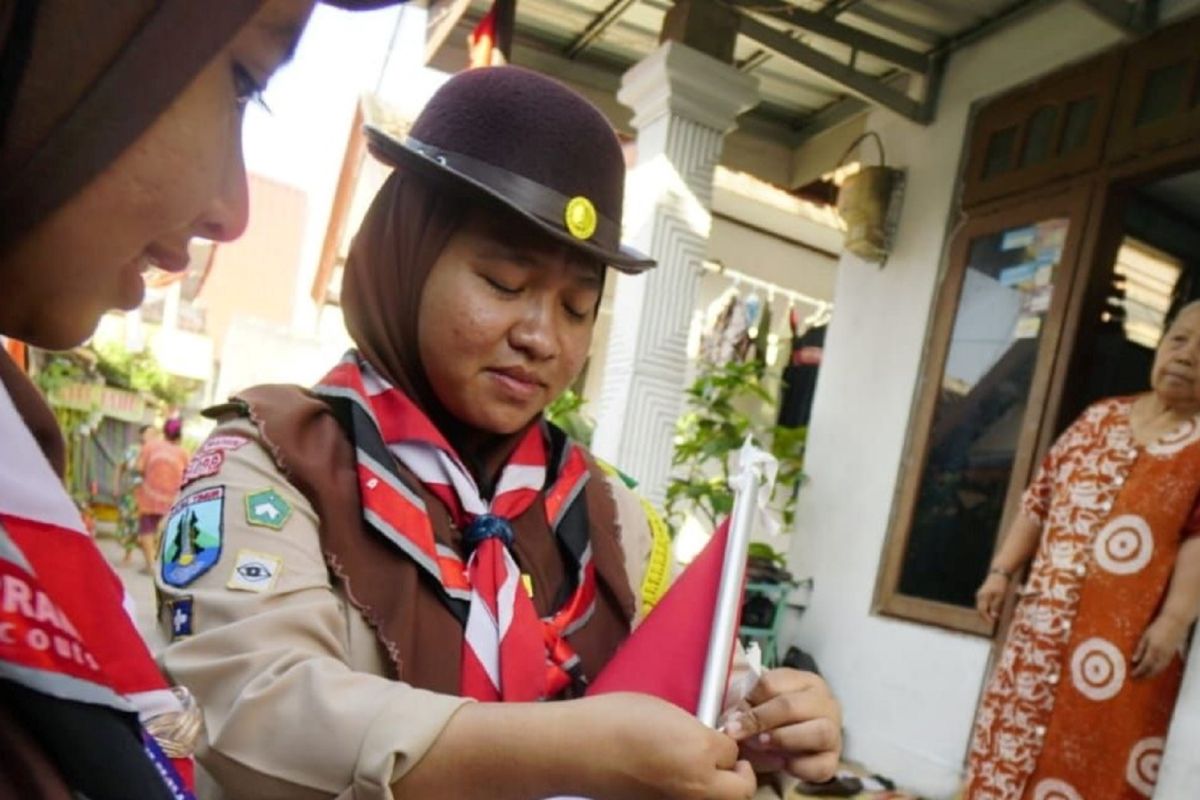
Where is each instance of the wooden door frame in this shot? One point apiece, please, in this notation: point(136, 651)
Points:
point(1070, 200)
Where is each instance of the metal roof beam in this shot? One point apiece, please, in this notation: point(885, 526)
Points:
point(835, 7)
point(821, 25)
point(1130, 18)
point(858, 82)
point(597, 26)
point(830, 116)
point(901, 26)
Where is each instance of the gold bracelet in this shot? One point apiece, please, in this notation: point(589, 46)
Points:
point(1006, 574)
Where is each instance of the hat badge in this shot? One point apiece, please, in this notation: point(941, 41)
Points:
point(580, 217)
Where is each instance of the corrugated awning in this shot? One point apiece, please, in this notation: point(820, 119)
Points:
point(818, 62)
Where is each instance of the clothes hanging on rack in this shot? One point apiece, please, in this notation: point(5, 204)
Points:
point(762, 336)
point(800, 374)
point(729, 339)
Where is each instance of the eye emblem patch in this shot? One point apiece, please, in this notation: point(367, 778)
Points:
point(254, 571)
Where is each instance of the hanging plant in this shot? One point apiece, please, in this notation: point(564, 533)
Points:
point(566, 411)
point(724, 404)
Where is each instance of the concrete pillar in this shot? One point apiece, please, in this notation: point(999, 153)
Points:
point(1179, 772)
point(684, 102)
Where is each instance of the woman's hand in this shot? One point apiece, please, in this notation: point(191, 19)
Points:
point(1159, 644)
point(990, 597)
point(638, 746)
point(620, 746)
point(792, 723)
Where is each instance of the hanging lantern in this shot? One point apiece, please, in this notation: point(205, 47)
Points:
point(868, 204)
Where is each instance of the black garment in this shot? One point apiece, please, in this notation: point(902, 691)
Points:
point(800, 378)
point(98, 751)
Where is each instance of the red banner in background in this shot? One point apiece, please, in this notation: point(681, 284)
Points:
point(481, 42)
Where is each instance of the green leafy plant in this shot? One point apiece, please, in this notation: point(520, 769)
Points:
point(141, 372)
point(57, 370)
point(566, 411)
point(725, 403)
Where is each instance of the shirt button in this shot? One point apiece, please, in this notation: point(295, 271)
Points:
point(1081, 570)
point(1039, 731)
point(1053, 679)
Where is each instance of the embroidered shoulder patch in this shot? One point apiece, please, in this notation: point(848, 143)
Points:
point(267, 508)
point(192, 536)
point(208, 459)
point(179, 610)
point(254, 571)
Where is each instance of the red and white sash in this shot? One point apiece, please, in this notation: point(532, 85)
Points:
point(66, 624)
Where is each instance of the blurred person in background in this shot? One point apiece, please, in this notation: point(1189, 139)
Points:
point(125, 484)
point(161, 463)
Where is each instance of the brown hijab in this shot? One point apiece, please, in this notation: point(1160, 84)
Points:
point(78, 85)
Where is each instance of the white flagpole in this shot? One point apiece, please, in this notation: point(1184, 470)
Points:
point(756, 473)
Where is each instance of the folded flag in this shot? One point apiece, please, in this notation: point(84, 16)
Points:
point(665, 655)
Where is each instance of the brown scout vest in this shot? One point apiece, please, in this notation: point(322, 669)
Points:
point(422, 637)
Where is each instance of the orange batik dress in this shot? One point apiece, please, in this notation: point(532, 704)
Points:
point(1061, 718)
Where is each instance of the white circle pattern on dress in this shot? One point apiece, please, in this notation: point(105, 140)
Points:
point(1142, 768)
point(1055, 789)
point(1187, 432)
point(1098, 669)
point(1125, 545)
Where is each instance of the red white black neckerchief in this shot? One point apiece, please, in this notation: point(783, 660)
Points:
point(66, 630)
point(508, 652)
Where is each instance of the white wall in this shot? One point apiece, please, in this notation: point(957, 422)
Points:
point(761, 231)
point(909, 691)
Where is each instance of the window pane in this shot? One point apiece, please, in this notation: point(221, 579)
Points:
point(1079, 120)
point(998, 158)
point(1037, 139)
point(977, 421)
point(1162, 94)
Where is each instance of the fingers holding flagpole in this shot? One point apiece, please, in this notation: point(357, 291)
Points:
point(790, 721)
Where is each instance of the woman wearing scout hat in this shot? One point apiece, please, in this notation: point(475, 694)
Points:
point(411, 535)
point(119, 141)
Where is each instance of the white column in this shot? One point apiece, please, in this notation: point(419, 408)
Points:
point(1179, 774)
point(684, 102)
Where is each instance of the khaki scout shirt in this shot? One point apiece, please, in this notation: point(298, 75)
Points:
point(289, 675)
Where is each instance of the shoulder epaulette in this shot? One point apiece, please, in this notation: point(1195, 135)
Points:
point(657, 578)
point(233, 407)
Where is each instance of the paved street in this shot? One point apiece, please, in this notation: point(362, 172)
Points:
point(140, 587)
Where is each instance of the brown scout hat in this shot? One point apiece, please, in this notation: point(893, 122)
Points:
point(530, 143)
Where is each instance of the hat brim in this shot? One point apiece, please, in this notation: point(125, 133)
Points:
point(395, 152)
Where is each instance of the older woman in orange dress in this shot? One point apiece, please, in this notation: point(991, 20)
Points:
point(1080, 701)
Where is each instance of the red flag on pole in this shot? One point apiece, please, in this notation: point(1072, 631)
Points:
point(665, 655)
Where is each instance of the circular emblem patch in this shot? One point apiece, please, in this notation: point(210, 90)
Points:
point(580, 217)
